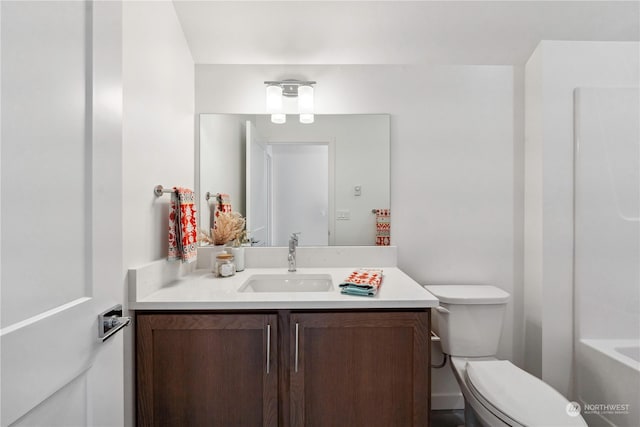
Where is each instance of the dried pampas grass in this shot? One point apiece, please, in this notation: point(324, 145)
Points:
point(203, 236)
point(228, 226)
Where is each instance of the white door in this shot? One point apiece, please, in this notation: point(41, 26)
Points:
point(258, 165)
point(301, 193)
point(61, 213)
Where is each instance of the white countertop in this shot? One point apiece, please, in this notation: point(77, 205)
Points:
point(200, 290)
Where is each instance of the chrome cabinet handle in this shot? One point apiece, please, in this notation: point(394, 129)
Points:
point(296, 362)
point(268, 347)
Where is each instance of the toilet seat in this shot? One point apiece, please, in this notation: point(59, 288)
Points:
point(489, 406)
point(516, 397)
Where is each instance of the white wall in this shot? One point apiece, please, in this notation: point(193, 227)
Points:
point(158, 135)
point(158, 123)
point(554, 71)
point(452, 159)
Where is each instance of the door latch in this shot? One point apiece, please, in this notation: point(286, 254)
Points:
point(111, 321)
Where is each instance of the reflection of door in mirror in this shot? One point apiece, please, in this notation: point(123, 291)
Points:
point(259, 188)
point(288, 191)
point(301, 193)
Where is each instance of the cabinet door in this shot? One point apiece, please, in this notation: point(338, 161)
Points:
point(360, 369)
point(207, 370)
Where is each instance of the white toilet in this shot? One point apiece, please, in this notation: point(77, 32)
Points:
point(496, 392)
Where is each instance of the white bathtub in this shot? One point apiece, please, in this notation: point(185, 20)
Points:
point(608, 381)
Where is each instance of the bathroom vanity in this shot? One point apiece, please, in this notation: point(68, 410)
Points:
point(209, 354)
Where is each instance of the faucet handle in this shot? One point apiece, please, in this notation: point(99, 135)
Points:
point(296, 235)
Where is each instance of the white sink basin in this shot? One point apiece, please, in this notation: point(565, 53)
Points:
point(287, 283)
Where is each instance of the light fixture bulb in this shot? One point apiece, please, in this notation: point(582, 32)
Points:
point(279, 118)
point(274, 99)
point(305, 104)
point(306, 118)
point(305, 99)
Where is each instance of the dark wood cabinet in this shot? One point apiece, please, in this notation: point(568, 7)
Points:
point(347, 368)
point(207, 370)
point(359, 369)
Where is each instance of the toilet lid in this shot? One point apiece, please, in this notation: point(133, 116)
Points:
point(515, 396)
point(468, 294)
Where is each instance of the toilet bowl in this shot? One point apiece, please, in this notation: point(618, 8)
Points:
point(496, 392)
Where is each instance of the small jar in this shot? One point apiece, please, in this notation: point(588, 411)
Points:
point(224, 266)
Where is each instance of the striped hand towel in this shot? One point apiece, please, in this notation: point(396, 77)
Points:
point(224, 202)
point(383, 227)
point(182, 225)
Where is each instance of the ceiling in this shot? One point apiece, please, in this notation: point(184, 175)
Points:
point(394, 32)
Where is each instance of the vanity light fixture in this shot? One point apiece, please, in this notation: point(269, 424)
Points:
point(303, 90)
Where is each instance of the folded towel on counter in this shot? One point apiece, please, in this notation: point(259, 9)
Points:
point(365, 282)
point(383, 227)
point(182, 225)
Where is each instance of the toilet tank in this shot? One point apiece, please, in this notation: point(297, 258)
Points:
point(469, 318)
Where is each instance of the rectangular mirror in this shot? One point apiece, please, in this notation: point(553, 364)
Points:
point(325, 180)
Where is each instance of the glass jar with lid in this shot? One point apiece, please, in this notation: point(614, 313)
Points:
point(224, 265)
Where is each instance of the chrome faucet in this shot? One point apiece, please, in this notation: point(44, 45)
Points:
point(293, 242)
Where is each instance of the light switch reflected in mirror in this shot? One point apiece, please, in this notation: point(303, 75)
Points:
point(323, 179)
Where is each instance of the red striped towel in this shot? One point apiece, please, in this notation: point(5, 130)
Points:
point(182, 225)
point(224, 202)
point(383, 227)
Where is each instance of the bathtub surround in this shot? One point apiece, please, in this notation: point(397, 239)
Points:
point(553, 73)
point(607, 213)
point(607, 251)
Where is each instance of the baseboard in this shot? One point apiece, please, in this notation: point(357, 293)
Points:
point(442, 401)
